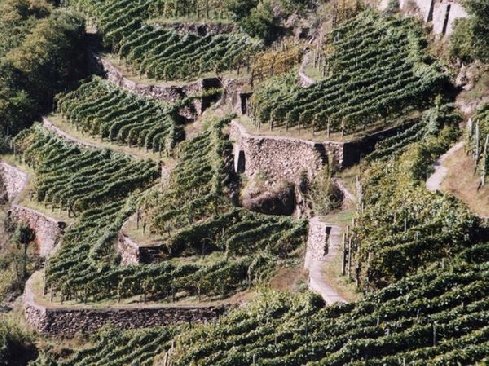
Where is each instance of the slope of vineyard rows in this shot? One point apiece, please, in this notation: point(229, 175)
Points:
point(423, 249)
point(160, 53)
point(415, 260)
point(102, 109)
point(377, 69)
point(197, 220)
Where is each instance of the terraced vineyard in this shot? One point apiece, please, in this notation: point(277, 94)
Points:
point(198, 208)
point(419, 259)
point(437, 317)
point(434, 311)
point(94, 185)
point(147, 9)
point(164, 54)
point(377, 69)
point(102, 109)
point(419, 229)
point(113, 347)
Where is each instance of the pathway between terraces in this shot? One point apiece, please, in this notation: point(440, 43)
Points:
point(433, 183)
point(322, 246)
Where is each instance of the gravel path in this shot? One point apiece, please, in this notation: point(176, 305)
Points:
point(316, 258)
point(433, 183)
point(305, 80)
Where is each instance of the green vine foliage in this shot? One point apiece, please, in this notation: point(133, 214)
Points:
point(163, 53)
point(102, 109)
point(98, 186)
point(378, 69)
point(403, 227)
point(438, 316)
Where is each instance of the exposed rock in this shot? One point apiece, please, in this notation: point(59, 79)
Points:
point(280, 200)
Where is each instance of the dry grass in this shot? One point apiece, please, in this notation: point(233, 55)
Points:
point(463, 183)
point(292, 279)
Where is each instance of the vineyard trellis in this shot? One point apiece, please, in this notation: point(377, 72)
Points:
point(378, 68)
point(100, 108)
point(98, 185)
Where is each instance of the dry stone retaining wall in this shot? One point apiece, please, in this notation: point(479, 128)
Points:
point(14, 180)
point(47, 230)
point(69, 322)
point(134, 253)
point(280, 158)
point(167, 92)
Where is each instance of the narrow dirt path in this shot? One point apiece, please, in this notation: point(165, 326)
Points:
point(433, 183)
point(321, 249)
point(305, 80)
point(50, 126)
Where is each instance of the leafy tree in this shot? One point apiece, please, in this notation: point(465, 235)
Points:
point(39, 56)
point(241, 9)
point(469, 40)
point(16, 347)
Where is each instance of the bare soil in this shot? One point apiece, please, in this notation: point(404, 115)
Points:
point(463, 183)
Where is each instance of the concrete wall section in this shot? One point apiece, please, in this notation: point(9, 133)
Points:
point(441, 13)
point(456, 11)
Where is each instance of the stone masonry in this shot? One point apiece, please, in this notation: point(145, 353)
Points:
point(73, 321)
point(280, 158)
point(14, 180)
point(47, 230)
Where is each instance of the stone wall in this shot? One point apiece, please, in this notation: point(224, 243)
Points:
point(128, 249)
point(47, 230)
point(441, 13)
point(14, 180)
point(280, 158)
point(161, 91)
point(72, 321)
point(134, 253)
point(283, 158)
